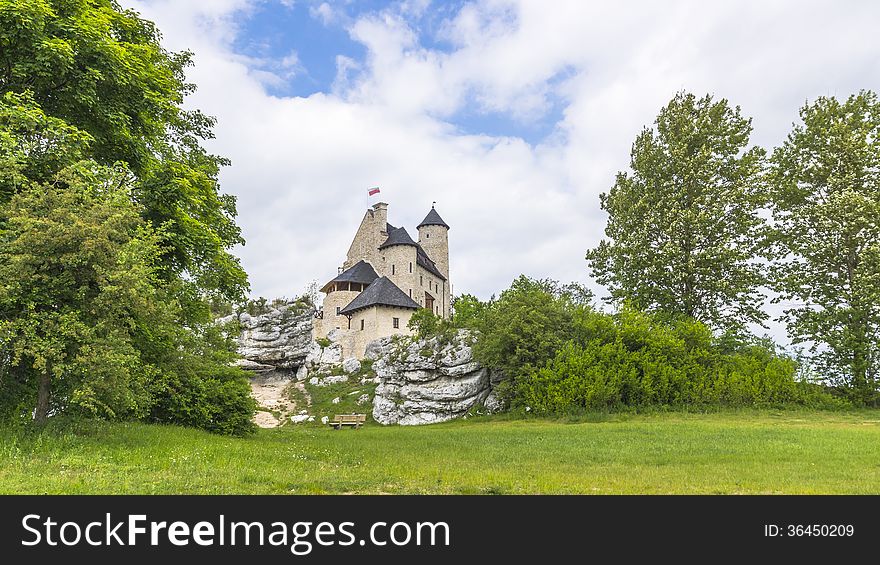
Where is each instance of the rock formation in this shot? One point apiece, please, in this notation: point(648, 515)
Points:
point(419, 381)
point(280, 338)
point(426, 381)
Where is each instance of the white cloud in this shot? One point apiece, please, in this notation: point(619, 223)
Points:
point(301, 166)
point(325, 13)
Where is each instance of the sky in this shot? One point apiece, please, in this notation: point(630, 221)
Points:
point(513, 115)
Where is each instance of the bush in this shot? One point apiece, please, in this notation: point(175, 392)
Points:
point(525, 326)
point(635, 360)
point(425, 324)
point(221, 403)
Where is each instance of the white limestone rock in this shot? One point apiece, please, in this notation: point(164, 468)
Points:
point(351, 365)
point(493, 404)
point(299, 418)
point(327, 381)
point(363, 399)
point(280, 338)
point(422, 382)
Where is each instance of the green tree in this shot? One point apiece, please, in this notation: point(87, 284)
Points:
point(91, 318)
point(86, 324)
point(524, 327)
point(683, 227)
point(76, 265)
point(825, 182)
point(467, 310)
point(102, 70)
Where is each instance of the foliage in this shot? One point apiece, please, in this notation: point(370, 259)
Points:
point(101, 70)
point(34, 146)
point(524, 327)
point(467, 310)
point(636, 360)
point(255, 307)
point(424, 323)
point(558, 355)
point(89, 322)
point(76, 265)
point(323, 342)
point(87, 325)
point(683, 226)
point(825, 182)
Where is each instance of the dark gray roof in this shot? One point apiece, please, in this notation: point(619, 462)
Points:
point(389, 228)
point(382, 292)
point(426, 263)
point(433, 219)
point(362, 273)
point(398, 237)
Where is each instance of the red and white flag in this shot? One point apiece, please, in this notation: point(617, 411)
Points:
point(374, 190)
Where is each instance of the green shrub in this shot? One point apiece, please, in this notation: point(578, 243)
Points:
point(323, 342)
point(220, 403)
point(635, 360)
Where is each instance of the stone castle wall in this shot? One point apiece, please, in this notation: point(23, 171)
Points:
point(378, 323)
point(370, 235)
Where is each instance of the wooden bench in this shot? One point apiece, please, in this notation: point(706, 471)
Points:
point(353, 420)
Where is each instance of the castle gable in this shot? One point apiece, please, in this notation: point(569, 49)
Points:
point(382, 292)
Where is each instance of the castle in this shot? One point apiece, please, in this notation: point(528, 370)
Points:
point(386, 277)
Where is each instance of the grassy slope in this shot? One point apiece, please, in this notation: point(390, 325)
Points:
point(728, 452)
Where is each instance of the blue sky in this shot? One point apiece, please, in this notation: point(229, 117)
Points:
point(275, 33)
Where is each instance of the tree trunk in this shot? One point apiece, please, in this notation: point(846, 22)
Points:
point(41, 414)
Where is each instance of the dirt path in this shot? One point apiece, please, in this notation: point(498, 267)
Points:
point(272, 393)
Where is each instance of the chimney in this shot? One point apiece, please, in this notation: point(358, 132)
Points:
point(380, 215)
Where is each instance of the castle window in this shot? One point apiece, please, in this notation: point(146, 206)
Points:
point(427, 235)
point(421, 280)
point(410, 293)
point(436, 309)
point(338, 308)
point(392, 269)
point(410, 266)
point(362, 324)
point(396, 322)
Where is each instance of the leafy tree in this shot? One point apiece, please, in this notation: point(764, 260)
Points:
point(826, 213)
point(86, 325)
point(683, 226)
point(92, 320)
point(76, 265)
point(101, 69)
point(466, 310)
point(524, 327)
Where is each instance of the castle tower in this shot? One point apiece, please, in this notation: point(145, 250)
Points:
point(434, 239)
point(372, 232)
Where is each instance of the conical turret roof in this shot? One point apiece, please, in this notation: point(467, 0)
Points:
point(433, 219)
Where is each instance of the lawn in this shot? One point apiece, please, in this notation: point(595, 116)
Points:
point(727, 452)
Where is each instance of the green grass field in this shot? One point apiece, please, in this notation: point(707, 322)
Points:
point(727, 452)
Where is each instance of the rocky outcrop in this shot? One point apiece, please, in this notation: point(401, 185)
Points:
point(425, 381)
point(281, 338)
